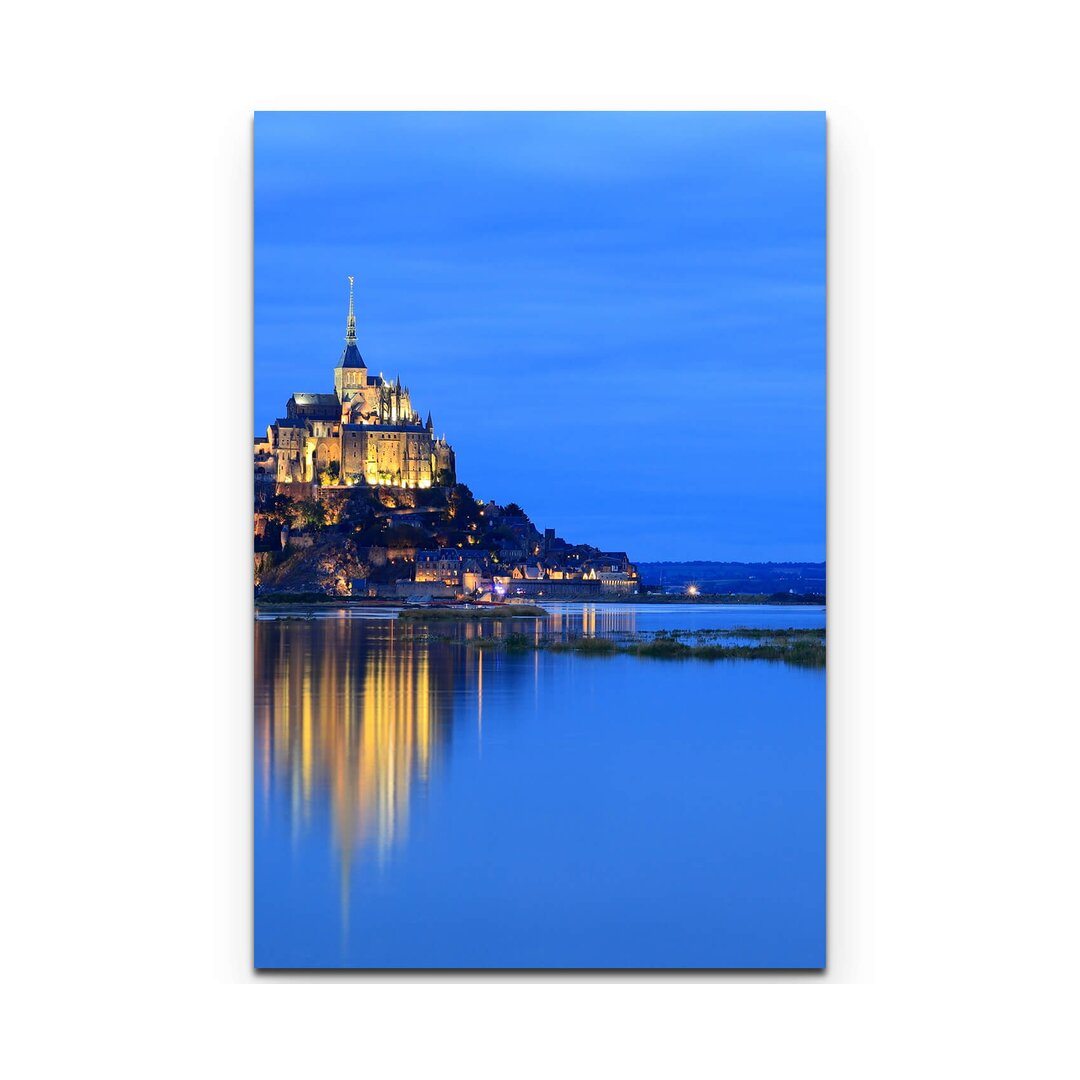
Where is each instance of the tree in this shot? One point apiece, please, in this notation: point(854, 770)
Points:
point(309, 513)
point(278, 509)
point(462, 508)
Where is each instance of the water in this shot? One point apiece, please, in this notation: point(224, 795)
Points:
point(421, 803)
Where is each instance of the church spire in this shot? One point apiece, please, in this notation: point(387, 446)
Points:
point(350, 326)
point(350, 356)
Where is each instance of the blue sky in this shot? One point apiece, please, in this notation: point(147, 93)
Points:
point(618, 319)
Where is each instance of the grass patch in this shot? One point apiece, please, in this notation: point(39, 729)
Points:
point(511, 643)
point(802, 652)
point(588, 646)
point(807, 653)
point(781, 599)
point(752, 633)
point(801, 648)
point(663, 647)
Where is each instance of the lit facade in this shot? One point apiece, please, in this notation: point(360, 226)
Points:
point(365, 432)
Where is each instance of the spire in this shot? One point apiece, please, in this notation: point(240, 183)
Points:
point(429, 425)
point(350, 357)
point(350, 326)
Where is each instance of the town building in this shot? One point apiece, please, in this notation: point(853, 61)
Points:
point(444, 565)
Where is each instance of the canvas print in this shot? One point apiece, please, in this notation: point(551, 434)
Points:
point(539, 540)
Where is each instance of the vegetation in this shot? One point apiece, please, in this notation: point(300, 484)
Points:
point(590, 646)
point(802, 648)
point(309, 514)
point(754, 633)
point(369, 517)
point(517, 643)
point(801, 652)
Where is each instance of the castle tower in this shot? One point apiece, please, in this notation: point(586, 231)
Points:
point(350, 375)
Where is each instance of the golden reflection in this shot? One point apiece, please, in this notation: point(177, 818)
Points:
point(595, 619)
point(347, 722)
point(479, 701)
point(353, 717)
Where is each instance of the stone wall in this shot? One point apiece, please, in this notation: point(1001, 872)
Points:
point(426, 588)
point(562, 590)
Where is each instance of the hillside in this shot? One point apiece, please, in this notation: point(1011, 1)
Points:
point(344, 534)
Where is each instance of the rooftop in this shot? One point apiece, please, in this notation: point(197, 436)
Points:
point(351, 358)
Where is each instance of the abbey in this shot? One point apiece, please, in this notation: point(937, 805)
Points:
point(365, 432)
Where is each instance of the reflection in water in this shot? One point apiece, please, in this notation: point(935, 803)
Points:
point(350, 714)
point(589, 620)
point(358, 711)
point(561, 810)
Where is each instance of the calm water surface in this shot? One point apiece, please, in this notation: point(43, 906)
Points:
point(420, 803)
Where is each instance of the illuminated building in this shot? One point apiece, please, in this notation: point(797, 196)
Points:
point(365, 432)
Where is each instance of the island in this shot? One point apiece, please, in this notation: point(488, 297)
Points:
point(356, 496)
